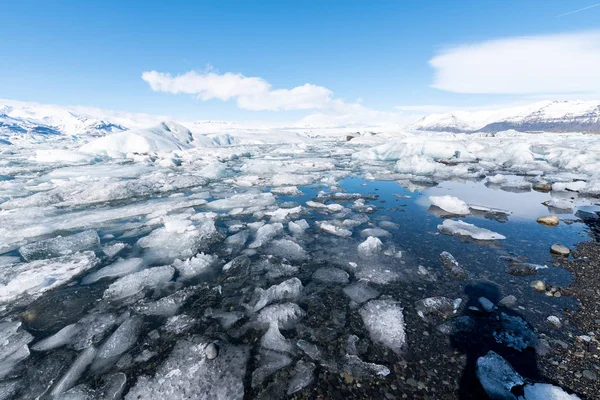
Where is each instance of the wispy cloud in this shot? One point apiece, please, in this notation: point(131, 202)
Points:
point(250, 93)
point(576, 11)
point(561, 63)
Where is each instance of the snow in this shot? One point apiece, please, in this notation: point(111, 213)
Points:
point(451, 204)
point(461, 228)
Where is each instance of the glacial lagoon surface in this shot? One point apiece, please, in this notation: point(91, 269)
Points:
point(402, 266)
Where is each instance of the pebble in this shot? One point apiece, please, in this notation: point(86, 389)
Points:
point(554, 320)
point(589, 374)
point(560, 250)
point(538, 285)
point(508, 301)
point(211, 351)
point(549, 220)
point(487, 305)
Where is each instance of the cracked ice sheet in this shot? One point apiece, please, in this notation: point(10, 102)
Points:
point(17, 227)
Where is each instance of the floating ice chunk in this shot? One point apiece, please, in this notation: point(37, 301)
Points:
point(284, 314)
point(166, 306)
point(497, 179)
point(291, 180)
point(452, 265)
point(561, 204)
point(385, 322)
point(375, 232)
point(270, 362)
point(60, 338)
point(450, 204)
point(60, 246)
point(138, 281)
point(237, 241)
point(569, 186)
point(168, 243)
point(116, 270)
point(92, 329)
point(592, 188)
point(310, 349)
point(298, 227)
point(77, 369)
point(328, 207)
point(7, 260)
point(331, 275)
point(388, 225)
point(545, 391)
point(274, 340)
point(122, 339)
point(242, 200)
point(113, 249)
point(14, 346)
point(360, 292)
point(287, 191)
point(286, 290)
point(179, 324)
point(451, 227)
point(195, 266)
point(370, 246)
point(226, 318)
point(265, 234)
point(288, 249)
point(355, 367)
point(188, 374)
point(302, 376)
point(440, 307)
point(377, 273)
point(334, 230)
point(281, 214)
point(497, 376)
point(214, 171)
point(36, 277)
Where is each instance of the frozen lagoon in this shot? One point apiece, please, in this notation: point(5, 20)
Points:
point(285, 269)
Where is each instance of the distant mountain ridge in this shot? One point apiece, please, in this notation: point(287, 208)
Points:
point(548, 116)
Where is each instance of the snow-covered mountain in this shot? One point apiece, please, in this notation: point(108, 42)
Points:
point(549, 116)
point(18, 118)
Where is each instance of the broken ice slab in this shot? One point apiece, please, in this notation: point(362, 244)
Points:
point(242, 200)
point(287, 249)
point(385, 322)
point(331, 275)
point(188, 373)
point(372, 245)
point(274, 340)
point(357, 368)
point(284, 314)
point(77, 369)
point(270, 362)
point(165, 306)
point(298, 227)
point(523, 269)
point(438, 308)
point(122, 339)
point(286, 290)
point(138, 281)
point(497, 376)
point(452, 265)
point(360, 292)
point(60, 338)
point(461, 228)
point(302, 376)
point(450, 204)
point(195, 266)
point(118, 269)
point(14, 341)
point(60, 246)
point(28, 281)
point(310, 349)
point(265, 234)
point(333, 229)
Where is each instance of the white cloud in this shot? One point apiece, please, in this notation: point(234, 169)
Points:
point(251, 93)
point(561, 63)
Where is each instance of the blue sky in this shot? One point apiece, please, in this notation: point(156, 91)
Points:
point(375, 54)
